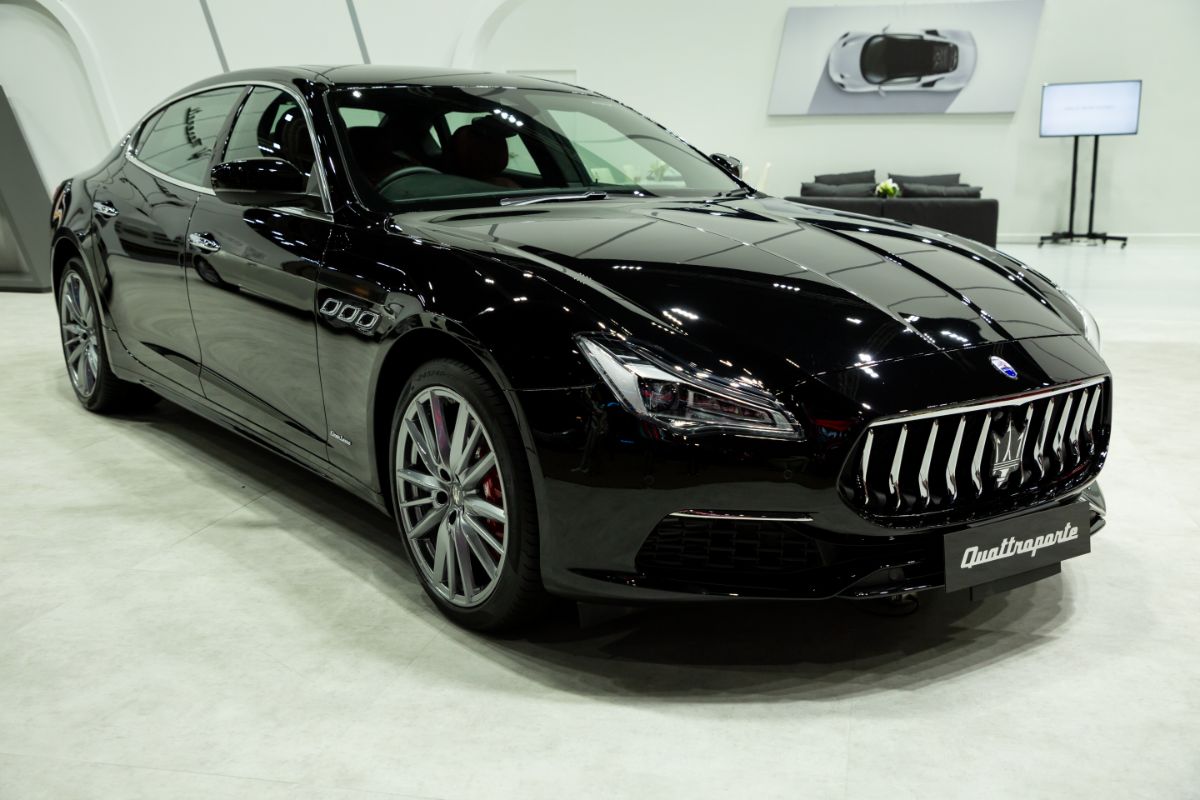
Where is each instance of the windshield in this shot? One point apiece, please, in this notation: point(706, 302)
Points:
point(887, 58)
point(411, 146)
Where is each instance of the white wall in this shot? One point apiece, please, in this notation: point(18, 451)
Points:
point(53, 103)
point(701, 67)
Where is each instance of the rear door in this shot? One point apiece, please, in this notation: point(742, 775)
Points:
point(252, 284)
point(142, 215)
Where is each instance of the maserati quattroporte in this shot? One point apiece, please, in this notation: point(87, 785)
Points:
point(574, 356)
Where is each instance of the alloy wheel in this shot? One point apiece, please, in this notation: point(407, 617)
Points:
point(77, 318)
point(450, 496)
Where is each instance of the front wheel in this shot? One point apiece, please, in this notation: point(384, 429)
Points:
point(464, 499)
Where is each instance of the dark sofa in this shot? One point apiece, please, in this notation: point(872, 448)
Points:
point(975, 218)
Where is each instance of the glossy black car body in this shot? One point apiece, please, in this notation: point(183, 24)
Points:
point(301, 329)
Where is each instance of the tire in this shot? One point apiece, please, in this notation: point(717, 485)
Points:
point(85, 353)
point(465, 499)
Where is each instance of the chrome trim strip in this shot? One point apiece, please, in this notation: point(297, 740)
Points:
point(695, 514)
point(322, 180)
point(967, 408)
point(894, 473)
point(952, 464)
point(923, 474)
point(865, 464)
point(977, 462)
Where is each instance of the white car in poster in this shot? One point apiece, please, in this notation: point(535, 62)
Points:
point(929, 61)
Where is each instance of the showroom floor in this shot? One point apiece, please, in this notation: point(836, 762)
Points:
point(183, 616)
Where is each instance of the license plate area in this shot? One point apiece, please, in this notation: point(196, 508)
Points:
point(996, 550)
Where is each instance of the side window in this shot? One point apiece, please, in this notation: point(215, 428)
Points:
point(179, 140)
point(271, 125)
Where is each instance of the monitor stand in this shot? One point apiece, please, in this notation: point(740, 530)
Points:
point(1069, 235)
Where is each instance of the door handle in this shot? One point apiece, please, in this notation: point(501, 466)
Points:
point(105, 208)
point(204, 242)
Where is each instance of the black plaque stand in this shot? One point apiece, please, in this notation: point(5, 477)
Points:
point(1069, 235)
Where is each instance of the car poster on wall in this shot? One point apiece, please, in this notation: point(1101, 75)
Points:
point(935, 58)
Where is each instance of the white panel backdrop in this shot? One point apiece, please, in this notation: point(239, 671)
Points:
point(702, 67)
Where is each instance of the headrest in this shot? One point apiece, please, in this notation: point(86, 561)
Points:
point(478, 153)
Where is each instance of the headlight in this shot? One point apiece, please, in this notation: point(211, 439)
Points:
point(1091, 331)
point(683, 399)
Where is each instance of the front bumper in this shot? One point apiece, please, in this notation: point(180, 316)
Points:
point(608, 486)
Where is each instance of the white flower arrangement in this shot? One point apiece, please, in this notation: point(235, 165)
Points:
point(888, 188)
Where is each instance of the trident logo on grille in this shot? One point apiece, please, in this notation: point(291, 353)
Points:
point(1006, 452)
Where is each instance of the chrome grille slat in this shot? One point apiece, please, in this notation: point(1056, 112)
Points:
point(866, 462)
point(977, 462)
point(952, 462)
point(1040, 449)
point(1060, 434)
point(1077, 426)
point(1090, 421)
point(1036, 443)
point(894, 474)
point(923, 475)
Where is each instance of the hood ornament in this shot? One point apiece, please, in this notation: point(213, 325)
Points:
point(1004, 368)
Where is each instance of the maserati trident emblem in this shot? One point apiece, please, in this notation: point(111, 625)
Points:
point(1004, 368)
point(1006, 453)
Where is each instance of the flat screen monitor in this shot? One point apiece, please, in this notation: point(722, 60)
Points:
point(1107, 108)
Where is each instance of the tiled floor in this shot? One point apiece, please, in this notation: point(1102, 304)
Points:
point(184, 616)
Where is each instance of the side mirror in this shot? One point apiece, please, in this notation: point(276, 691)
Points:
point(728, 163)
point(260, 182)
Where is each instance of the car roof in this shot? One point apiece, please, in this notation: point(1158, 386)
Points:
point(382, 75)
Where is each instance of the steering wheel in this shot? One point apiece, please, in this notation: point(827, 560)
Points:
point(387, 182)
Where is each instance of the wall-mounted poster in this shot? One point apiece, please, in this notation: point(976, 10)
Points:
point(935, 58)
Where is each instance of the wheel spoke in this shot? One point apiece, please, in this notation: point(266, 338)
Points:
point(462, 555)
point(420, 501)
point(85, 305)
point(427, 432)
point(486, 536)
point(72, 305)
point(441, 548)
point(422, 446)
point(441, 437)
point(427, 482)
point(468, 447)
point(471, 531)
point(477, 506)
point(75, 355)
point(456, 438)
point(476, 473)
point(427, 522)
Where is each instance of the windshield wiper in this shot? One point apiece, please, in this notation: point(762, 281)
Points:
point(552, 198)
point(741, 191)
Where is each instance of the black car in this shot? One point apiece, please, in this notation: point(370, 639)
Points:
point(574, 356)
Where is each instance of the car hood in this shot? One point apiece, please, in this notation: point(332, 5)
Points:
point(764, 280)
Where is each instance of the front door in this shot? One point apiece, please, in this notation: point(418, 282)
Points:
point(252, 282)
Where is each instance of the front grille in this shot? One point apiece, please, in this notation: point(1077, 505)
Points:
point(964, 461)
point(726, 546)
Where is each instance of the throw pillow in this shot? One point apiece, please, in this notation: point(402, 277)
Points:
point(842, 190)
point(928, 180)
point(841, 178)
point(933, 190)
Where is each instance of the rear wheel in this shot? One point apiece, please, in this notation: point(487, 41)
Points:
point(464, 498)
point(95, 385)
